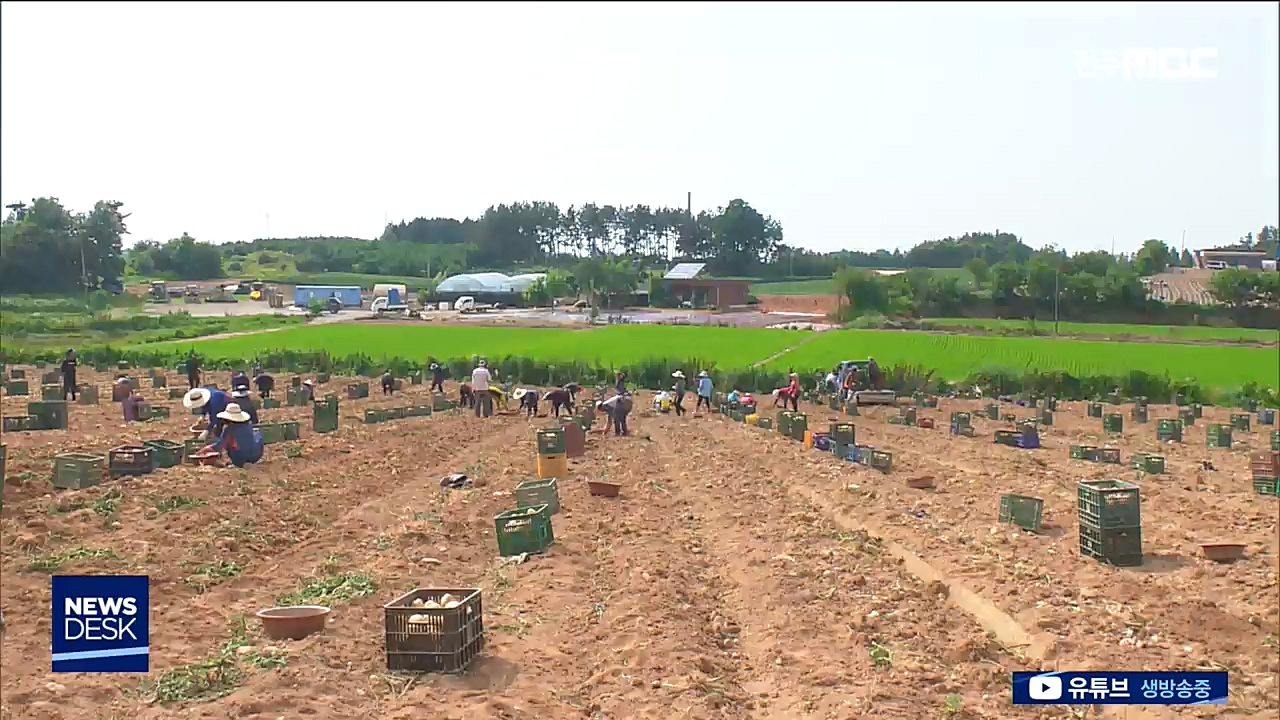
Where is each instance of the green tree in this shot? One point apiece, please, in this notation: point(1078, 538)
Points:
point(1152, 258)
point(980, 271)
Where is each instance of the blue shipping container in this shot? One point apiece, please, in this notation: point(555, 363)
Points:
point(348, 296)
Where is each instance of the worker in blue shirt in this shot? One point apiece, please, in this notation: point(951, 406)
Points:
point(211, 403)
point(704, 392)
point(238, 437)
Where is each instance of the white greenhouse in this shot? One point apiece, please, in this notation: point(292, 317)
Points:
point(486, 287)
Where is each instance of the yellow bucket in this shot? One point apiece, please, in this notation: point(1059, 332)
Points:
point(752, 418)
point(808, 439)
point(553, 466)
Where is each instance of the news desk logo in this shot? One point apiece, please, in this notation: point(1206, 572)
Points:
point(1160, 64)
point(101, 623)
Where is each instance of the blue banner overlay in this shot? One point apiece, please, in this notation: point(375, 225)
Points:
point(1119, 688)
point(101, 623)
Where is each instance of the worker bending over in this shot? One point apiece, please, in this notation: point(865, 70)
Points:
point(616, 410)
point(238, 437)
point(560, 398)
point(245, 403)
point(388, 383)
point(211, 403)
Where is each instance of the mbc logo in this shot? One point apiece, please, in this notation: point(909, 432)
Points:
point(1165, 64)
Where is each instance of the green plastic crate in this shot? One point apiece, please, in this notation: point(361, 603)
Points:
point(270, 404)
point(1022, 510)
point(51, 392)
point(1275, 439)
point(16, 387)
point(1187, 417)
point(536, 493)
point(1107, 504)
point(990, 410)
point(963, 419)
point(524, 530)
point(1006, 437)
point(1121, 547)
point(87, 394)
point(765, 423)
point(1094, 409)
point(176, 393)
point(799, 424)
point(1266, 486)
point(908, 415)
point(1113, 423)
point(165, 453)
point(273, 433)
point(1240, 422)
point(76, 471)
point(49, 414)
point(17, 423)
point(881, 460)
point(1045, 417)
point(1266, 416)
point(1218, 436)
point(355, 391)
point(551, 441)
point(1106, 456)
point(372, 417)
point(1082, 452)
point(1169, 430)
point(324, 415)
point(1138, 414)
point(159, 381)
point(1147, 463)
point(842, 432)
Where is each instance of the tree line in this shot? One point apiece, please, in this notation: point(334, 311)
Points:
point(47, 248)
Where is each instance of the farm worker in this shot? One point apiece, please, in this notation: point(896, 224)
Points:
point(793, 392)
point(734, 394)
point(242, 399)
point(528, 399)
point(69, 375)
point(620, 386)
point(241, 440)
point(466, 396)
point(560, 398)
point(873, 373)
point(830, 382)
point(239, 380)
point(849, 376)
point(616, 410)
point(746, 398)
point(437, 377)
point(704, 392)
point(308, 390)
point(265, 384)
point(211, 402)
point(678, 388)
point(498, 396)
point(573, 389)
point(193, 370)
point(388, 383)
point(480, 390)
point(133, 405)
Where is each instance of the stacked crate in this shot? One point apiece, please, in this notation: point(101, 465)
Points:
point(1110, 515)
point(553, 460)
point(1240, 422)
point(1218, 436)
point(961, 424)
point(1265, 468)
point(1169, 430)
point(799, 425)
point(843, 438)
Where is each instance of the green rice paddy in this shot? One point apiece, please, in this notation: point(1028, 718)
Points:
point(1155, 332)
point(952, 356)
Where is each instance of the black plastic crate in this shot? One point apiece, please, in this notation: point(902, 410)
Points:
point(1121, 547)
point(130, 460)
point(421, 639)
point(1107, 504)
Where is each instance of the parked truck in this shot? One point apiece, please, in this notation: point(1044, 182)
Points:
point(335, 297)
point(393, 301)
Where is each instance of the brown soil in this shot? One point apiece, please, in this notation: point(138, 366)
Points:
point(730, 579)
point(824, 304)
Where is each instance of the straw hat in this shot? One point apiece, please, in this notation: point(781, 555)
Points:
point(703, 374)
point(483, 362)
point(233, 413)
point(240, 392)
point(519, 393)
point(308, 382)
point(197, 398)
point(678, 374)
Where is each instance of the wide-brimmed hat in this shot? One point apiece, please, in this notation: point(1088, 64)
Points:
point(233, 413)
point(308, 382)
point(483, 363)
point(678, 374)
point(240, 392)
point(794, 375)
point(703, 374)
point(518, 393)
point(197, 398)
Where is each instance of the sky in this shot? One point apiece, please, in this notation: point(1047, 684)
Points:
point(855, 126)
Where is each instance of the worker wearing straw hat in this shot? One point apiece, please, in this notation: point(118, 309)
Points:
point(678, 389)
point(210, 402)
point(528, 399)
point(242, 441)
point(704, 392)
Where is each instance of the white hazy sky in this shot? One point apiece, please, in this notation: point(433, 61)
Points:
point(856, 126)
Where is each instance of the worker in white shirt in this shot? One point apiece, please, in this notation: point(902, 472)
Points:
point(480, 387)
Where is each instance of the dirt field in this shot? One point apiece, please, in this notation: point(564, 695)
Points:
point(739, 575)
point(823, 304)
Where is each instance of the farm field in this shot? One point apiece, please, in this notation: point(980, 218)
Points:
point(955, 356)
point(703, 591)
point(729, 347)
point(1155, 332)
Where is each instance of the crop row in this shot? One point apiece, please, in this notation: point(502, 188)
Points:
point(953, 357)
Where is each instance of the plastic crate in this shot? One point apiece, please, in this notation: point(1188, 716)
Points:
point(373, 417)
point(551, 441)
point(1006, 437)
point(908, 415)
point(270, 404)
point(1266, 416)
point(1275, 439)
point(1121, 547)
point(1094, 410)
point(1045, 417)
point(1218, 436)
point(158, 412)
point(1022, 510)
point(87, 394)
point(48, 414)
point(165, 454)
point(1169, 431)
point(1082, 452)
point(1106, 456)
point(1027, 440)
point(991, 411)
point(295, 397)
point(1138, 414)
point(534, 493)
point(130, 460)
point(844, 433)
point(1113, 423)
point(17, 423)
point(961, 418)
point(799, 424)
point(851, 408)
point(964, 429)
point(524, 530)
point(76, 471)
point(159, 381)
point(324, 415)
point(1240, 422)
point(51, 392)
point(439, 639)
point(765, 423)
point(355, 391)
point(1109, 504)
point(1265, 464)
point(1266, 486)
point(1147, 463)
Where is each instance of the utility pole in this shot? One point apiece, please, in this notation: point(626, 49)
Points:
point(268, 226)
point(1057, 273)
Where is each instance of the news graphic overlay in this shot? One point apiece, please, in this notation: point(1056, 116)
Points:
point(101, 623)
point(1119, 688)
